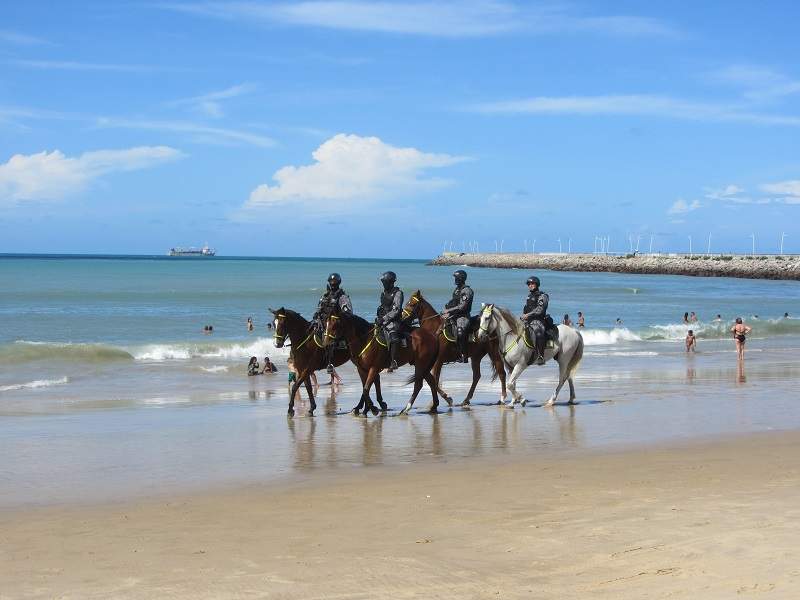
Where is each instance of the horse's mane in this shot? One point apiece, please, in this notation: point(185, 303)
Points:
point(510, 318)
point(358, 322)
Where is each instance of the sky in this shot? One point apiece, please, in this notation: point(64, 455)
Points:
point(399, 129)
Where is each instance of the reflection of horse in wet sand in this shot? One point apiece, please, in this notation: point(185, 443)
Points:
point(567, 350)
point(309, 354)
point(370, 355)
point(429, 318)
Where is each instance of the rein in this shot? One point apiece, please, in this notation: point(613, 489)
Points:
point(488, 311)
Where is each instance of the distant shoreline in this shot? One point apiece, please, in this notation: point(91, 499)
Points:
point(746, 266)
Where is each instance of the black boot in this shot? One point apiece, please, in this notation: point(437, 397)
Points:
point(392, 351)
point(541, 342)
point(329, 356)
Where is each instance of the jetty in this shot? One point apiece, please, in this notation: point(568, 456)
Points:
point(746, 266)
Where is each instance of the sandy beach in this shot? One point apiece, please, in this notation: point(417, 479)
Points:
point(691, 519)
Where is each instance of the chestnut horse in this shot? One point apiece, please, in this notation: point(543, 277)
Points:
point(369, 354)
point(309, 354)
point(429, 318)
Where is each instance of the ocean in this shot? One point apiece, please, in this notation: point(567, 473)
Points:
point(110, 387)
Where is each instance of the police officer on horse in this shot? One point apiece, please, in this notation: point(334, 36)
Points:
point(390, 313)
point(535, 313)
point(334, 297)
point(457, 310)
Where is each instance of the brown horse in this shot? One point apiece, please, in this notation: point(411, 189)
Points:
point(429, 318)
point(309, 354)
point(370, 355)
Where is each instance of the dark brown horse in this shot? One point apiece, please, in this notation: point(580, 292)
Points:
point(309, 354)
point(370, 355)
point(429, 318)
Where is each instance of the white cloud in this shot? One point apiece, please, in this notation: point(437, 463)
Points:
point(441, 18)
point(788, 188)
point(53, 176)
point(724, 194)
point(680, 206)
point(209, 105)
point(760, 83)
point(356, 171)
point(635, 104)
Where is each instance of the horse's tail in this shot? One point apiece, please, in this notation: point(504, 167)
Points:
point(577, 357)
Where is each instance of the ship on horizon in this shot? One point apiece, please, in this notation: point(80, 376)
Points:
point(192, 251)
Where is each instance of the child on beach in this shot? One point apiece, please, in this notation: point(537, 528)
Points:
point(252, 367)
point(269, 366)
point(691, 341)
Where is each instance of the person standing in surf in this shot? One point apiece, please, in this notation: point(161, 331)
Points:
point(740, 330)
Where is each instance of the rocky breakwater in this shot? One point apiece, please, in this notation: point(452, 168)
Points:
point(738, 265)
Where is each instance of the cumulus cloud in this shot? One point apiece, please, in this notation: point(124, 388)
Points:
point(54, 176)
point(356, 170)
point(680, 206)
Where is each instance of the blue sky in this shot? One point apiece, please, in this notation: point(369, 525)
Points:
point(399, 129)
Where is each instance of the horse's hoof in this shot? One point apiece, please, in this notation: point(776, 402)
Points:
point(384, 406)
point(465, 404)
point(449, 400)
point(433, 411)
point(524, 403)
point(290, 412)
point(375, 411)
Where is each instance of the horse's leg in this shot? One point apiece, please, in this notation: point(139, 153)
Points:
point(563, 363)
point(476, 376)
point(436, 373)
point(512, 383)
point(365, 399)
point(379, 395)
point(500, 368)
point(310, 397)
point(571, 390)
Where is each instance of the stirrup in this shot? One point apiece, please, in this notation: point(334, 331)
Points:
point(393, 366)
point(329, 369)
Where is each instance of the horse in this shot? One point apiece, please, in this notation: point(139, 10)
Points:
point(567, 350)
point(309, 355)
point(429, 318)
point(370, 355)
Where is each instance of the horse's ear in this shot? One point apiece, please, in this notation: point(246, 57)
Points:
point(272, 311)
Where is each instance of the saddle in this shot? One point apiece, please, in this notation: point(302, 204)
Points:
point(550, 333)
point(449, 330)
point(403, 334)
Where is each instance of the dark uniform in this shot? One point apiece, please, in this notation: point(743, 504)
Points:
point(334, 297)
point(390, 313)
point(534, 315)
point(458, 310)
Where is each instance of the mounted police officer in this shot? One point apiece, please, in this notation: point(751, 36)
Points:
point(458, 311)
point(334, 297)
point(535, 313)
point(390, 313)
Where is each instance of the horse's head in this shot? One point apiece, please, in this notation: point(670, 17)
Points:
point(488, 321)
point(331, 321)
point(280, 326)
point(413, 308)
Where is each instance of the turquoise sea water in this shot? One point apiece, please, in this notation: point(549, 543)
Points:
point(107, 380)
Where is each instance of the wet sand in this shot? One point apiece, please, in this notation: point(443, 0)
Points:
point(692, 519)
point(675, 476)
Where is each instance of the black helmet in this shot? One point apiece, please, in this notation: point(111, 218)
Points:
point(389, 277)
point(533, 279)
point(334, 278)
point(461, 276)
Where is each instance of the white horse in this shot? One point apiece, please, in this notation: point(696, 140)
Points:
point(567, 350)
